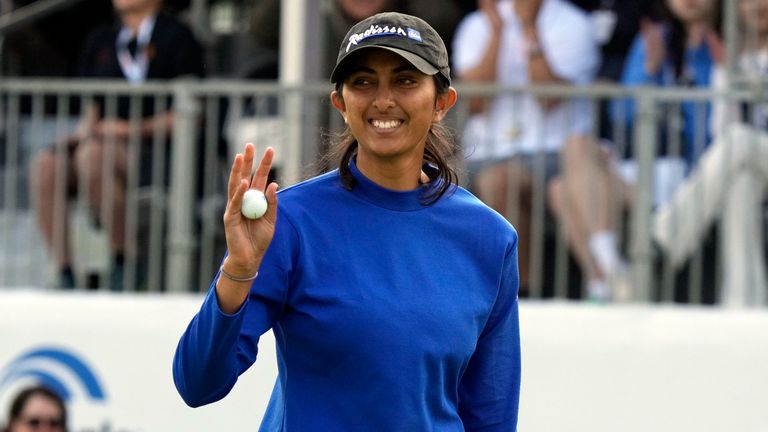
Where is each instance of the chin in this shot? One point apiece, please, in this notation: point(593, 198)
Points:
point(383, 151)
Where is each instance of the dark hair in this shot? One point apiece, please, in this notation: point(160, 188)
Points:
point(678, 35)
point(21, 400)
point(440, 153)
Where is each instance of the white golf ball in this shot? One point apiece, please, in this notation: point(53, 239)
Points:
point(254, 204)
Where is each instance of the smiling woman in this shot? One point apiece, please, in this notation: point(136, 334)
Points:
point(393, 299)
point(393, 111)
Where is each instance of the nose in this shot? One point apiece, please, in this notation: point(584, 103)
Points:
point(383, 100)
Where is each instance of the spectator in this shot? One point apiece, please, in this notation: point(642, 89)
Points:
point(677, 51)
point(263, 60)
point(37, 409)
point(47, 46)
point(143, 44)
point(342, 15)
point(519, 43)
point(590, 218)
point(339, 16)
point(587, 198)
point(615, 24)
point(730, 178)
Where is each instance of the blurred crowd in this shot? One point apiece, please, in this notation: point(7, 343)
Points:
point(518, 147)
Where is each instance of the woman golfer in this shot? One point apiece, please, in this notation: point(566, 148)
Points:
point(393, 300)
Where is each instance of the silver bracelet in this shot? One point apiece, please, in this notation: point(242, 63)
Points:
point(235, 278)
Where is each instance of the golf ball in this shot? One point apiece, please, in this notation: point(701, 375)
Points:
point(254, 204)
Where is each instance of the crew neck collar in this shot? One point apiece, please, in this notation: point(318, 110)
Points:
point(367, 190)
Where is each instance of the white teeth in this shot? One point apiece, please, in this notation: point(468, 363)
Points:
point(389, 124)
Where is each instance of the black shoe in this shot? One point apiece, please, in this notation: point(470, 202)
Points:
point(116, 274)
point(66, 279)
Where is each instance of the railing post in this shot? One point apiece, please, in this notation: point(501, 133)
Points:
point(730, 15)
point(181, 205)
point(300, 54)
point(645, 151)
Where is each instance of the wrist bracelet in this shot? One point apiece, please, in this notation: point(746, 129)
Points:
point(235, 278)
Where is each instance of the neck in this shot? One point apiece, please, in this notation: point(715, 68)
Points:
point(133, 18)
point(399, 173)
point(696, 33)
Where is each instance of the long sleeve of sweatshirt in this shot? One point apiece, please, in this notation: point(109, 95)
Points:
point(216, 347)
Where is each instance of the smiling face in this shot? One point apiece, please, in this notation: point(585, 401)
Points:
point(389, 107)
point(692, 11)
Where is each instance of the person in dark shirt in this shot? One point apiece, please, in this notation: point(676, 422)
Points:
point(143, 44)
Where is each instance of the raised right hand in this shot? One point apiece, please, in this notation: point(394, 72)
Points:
point(248, 239)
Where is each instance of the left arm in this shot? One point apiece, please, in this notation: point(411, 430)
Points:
point(489, 392)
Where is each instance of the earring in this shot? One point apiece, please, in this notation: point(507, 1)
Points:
point(345, 120)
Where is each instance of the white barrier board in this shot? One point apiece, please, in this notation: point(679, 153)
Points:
point(585, 368)
point(128, 343)
point(643, 368)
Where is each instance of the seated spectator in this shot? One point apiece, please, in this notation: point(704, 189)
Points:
point(511, 136)
point(730, 178)
point(590, 219)
point(587, 198)
point(339, 16)
point(48, 46)
point(615, 23)
point(678, 51)
point(143, 44)
point(36, 409)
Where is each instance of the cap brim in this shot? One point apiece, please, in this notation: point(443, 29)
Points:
point(418, 62)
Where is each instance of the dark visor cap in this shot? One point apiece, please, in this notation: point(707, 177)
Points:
point(408, 36)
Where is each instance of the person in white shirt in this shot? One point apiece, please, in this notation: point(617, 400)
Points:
point(514, 140)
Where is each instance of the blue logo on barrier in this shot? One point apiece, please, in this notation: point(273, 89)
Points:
point(33, 364)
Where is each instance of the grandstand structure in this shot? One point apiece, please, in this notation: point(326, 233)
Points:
point(174, 229)
point(666, 353)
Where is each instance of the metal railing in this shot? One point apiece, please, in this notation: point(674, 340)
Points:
point(173, 229)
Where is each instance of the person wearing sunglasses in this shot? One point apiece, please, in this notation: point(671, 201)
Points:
point(36, 409)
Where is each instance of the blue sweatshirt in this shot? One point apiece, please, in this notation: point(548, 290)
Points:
point(698, 64)
point(388, 315)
